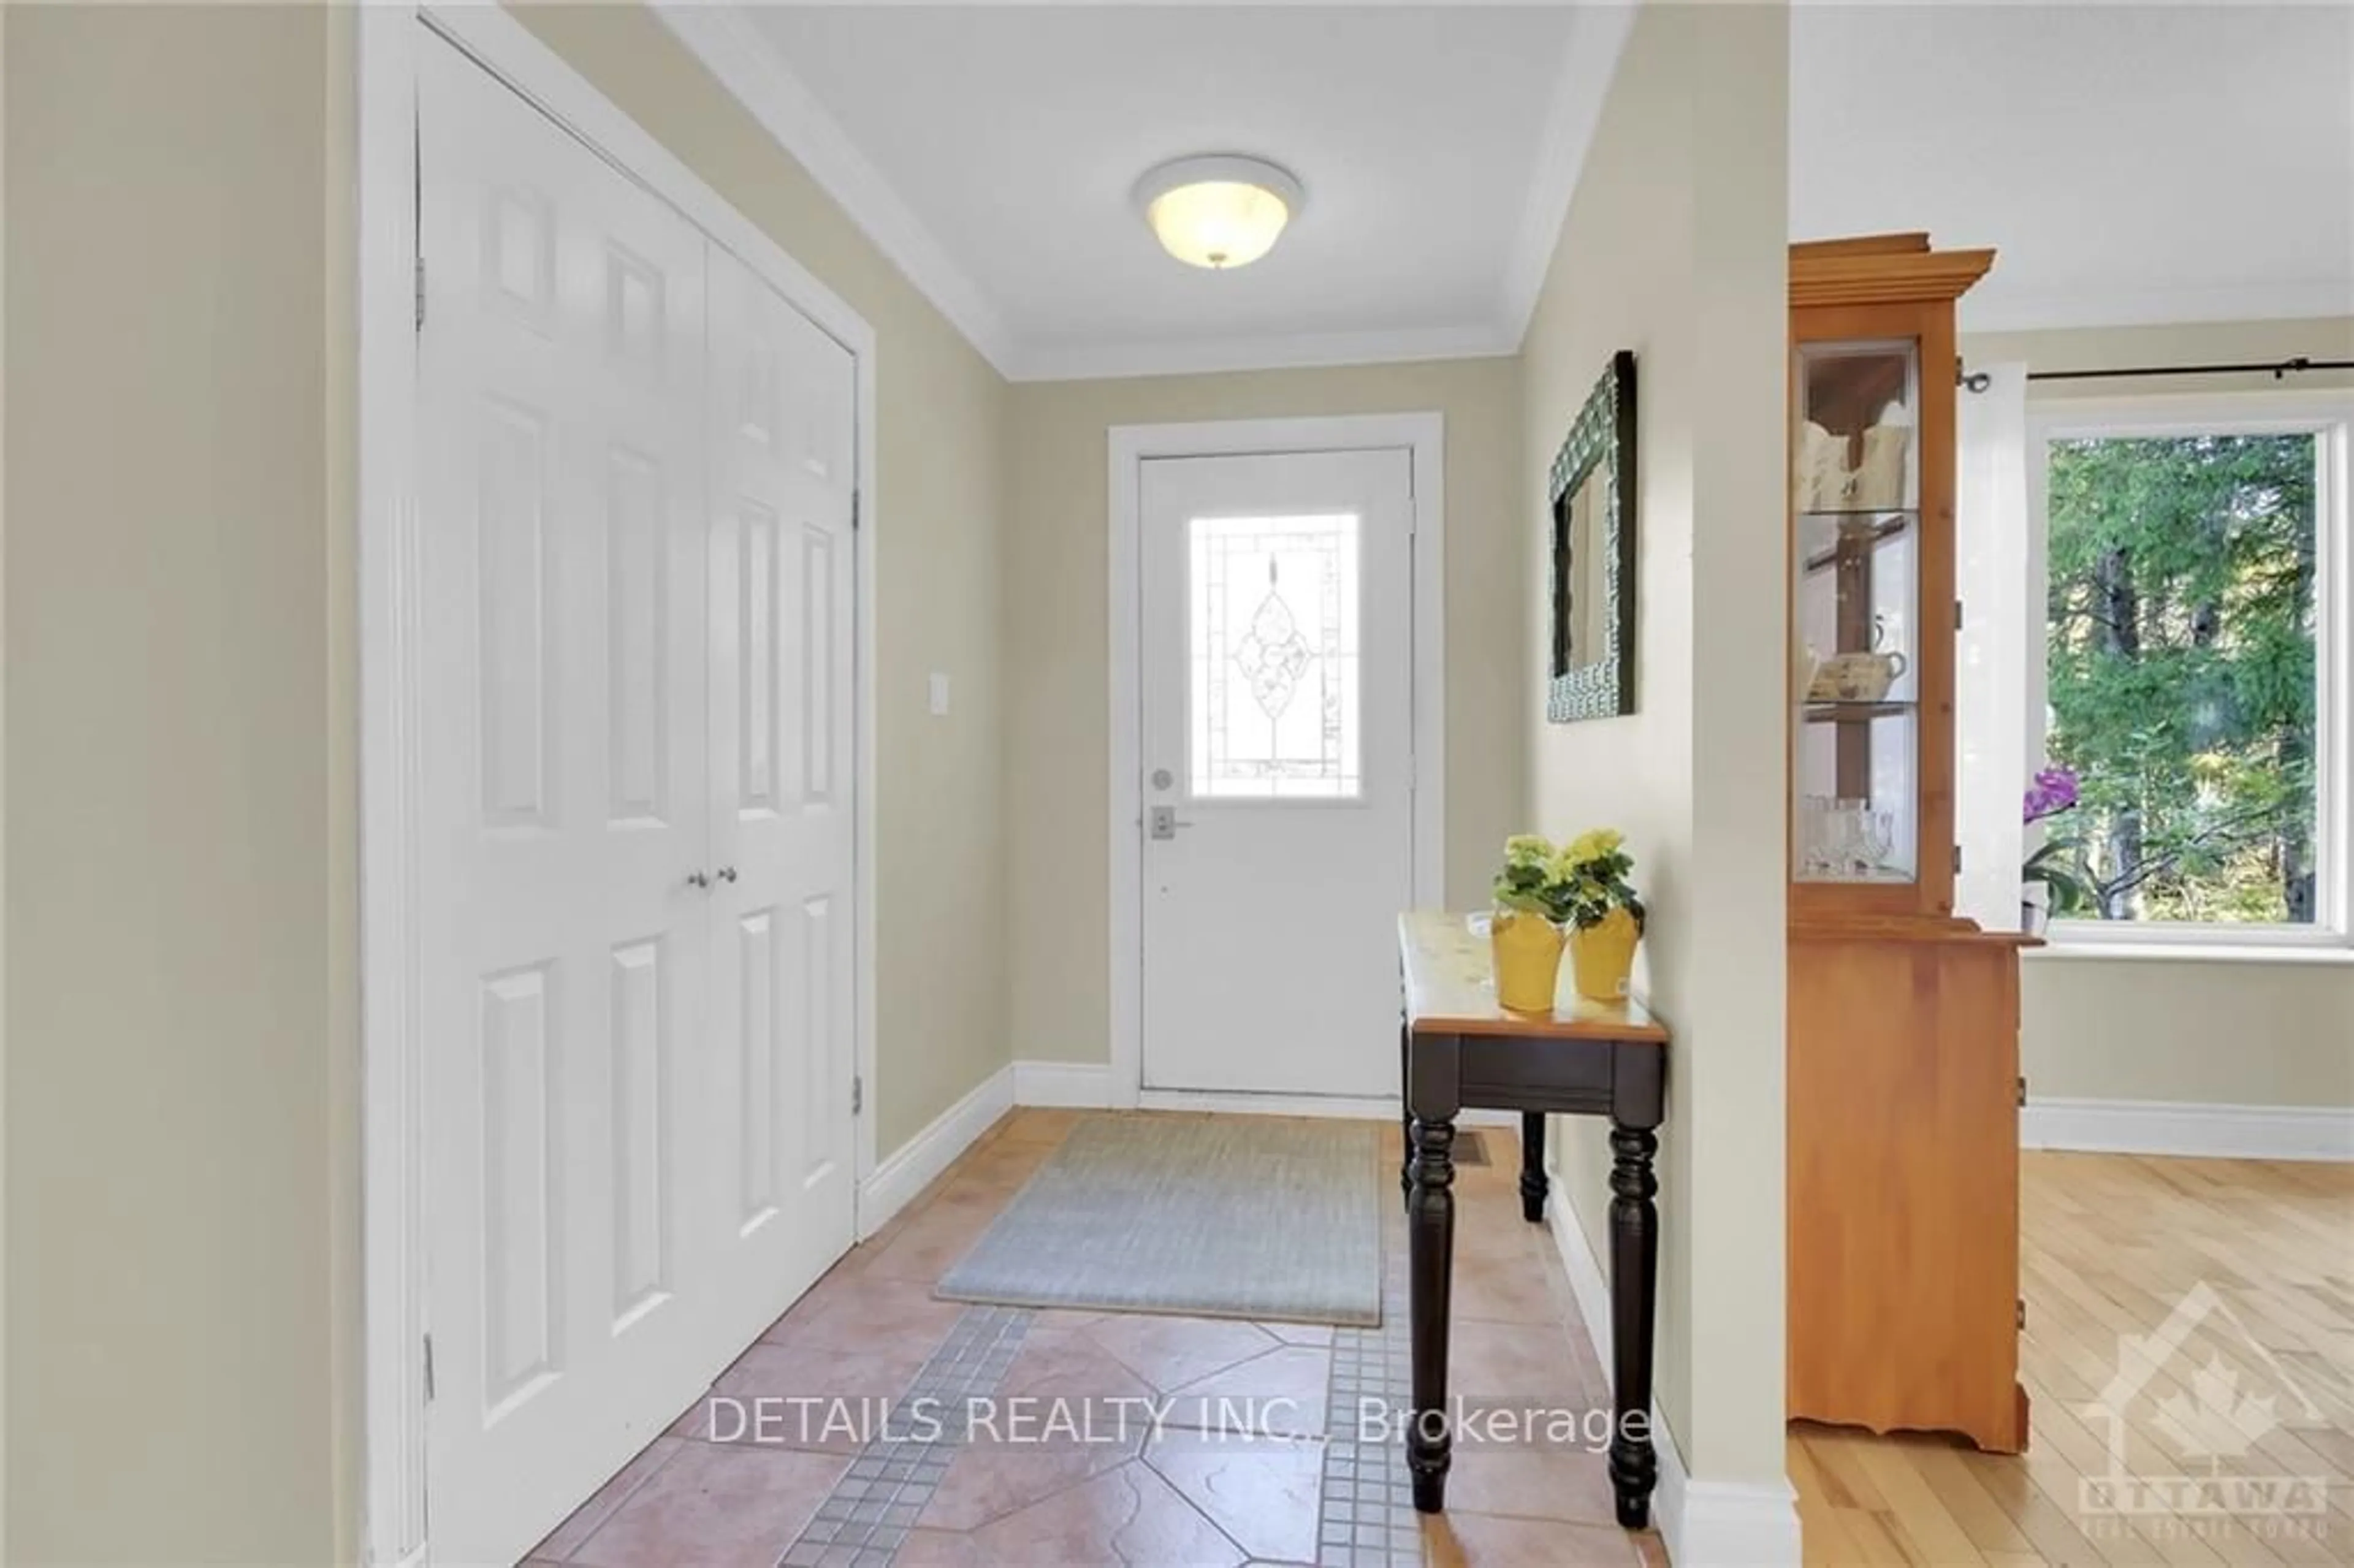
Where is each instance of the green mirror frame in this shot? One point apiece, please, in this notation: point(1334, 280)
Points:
point(1602, 442)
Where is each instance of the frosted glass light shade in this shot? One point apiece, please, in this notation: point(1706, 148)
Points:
point(1218, 212)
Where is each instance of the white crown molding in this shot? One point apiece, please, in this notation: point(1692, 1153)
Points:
point(744, 61)
point(1196, 356)
point(749, 67)
point(1598, 37)
point(1990, 308)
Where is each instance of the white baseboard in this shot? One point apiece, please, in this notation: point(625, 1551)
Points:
point(2173, 1127)
point(1086, 1085)
point(1705, 1524)
point(917, 1163)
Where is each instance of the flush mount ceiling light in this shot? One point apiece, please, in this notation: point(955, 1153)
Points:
point(1218, 211)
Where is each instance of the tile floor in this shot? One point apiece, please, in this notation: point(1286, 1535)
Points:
point(1095, 1482)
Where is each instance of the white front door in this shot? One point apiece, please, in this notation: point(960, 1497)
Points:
point(1275, 639)
point(635, 869)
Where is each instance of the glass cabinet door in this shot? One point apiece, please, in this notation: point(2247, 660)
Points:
point(1855, 493)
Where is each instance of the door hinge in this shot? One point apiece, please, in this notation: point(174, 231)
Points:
point(2023, 1312)
point(1958, 860)
point(428, 1369)
point(420, 293)
point(2022, 1089)
point(1958, 615)
point(855, 499)
point(858, 1095)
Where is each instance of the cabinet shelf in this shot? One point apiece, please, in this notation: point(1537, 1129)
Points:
point(1874, 530)
point(1878, 876)
point(1856, 712)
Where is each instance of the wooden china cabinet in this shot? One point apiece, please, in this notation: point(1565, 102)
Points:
point(1904, 1309)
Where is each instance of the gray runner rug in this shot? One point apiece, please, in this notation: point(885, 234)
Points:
point(1211, 1216)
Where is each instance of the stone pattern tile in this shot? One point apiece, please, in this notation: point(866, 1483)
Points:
point(1317, 1474)
point(880, 1497)
point(1366, 1519)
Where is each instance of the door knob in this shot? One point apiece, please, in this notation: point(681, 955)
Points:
point(1163, 822)
point(697, 879)
point(727, 874)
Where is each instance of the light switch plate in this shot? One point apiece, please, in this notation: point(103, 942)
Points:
point(940, 695)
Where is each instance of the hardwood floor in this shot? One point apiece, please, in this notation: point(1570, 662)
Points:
point(2121, 1246)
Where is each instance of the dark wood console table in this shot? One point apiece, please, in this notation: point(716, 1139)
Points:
point(1460, 1051)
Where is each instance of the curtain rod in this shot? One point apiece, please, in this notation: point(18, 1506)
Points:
point(1978, 380)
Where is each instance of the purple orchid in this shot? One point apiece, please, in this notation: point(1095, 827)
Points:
point(2054, 791)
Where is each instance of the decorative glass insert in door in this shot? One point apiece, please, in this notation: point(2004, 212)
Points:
point(1855, 488)
point(1272, 659)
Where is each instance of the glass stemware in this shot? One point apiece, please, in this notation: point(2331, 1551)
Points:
point(1879, 837)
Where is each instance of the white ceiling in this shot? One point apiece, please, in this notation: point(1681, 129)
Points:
point(2132, 164)
point(1430, 139)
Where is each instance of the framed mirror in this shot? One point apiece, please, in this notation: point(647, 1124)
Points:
point(1591, 494)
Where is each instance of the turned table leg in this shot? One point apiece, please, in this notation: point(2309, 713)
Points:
point(1533, 1185)
point(1430, 1245)
point(1634, 1296)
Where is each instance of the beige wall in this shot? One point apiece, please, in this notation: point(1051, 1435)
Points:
point(1057, 633)
point(2206, 1031)
point(181, 1136)
point(938, 512)
point(179, 842)
point(2150, 1029)
point(1674, 247)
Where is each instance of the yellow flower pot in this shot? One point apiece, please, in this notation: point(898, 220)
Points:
point(1602, 955)
point(1528, 960)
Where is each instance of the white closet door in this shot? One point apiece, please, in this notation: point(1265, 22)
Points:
point(565, 804)
point(782, 434)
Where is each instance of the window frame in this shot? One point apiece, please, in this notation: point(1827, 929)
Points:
point(2329, 417)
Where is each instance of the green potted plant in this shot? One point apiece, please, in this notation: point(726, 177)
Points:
point(1526, 934)
point(1603, 912)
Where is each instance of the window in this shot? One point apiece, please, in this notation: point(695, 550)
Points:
point(1272, 657)
point(2194, 566)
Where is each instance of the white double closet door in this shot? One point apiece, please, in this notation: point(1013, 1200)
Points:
point(635, 810)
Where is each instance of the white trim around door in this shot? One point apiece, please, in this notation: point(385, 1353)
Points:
point(391, 629)
point(1424, 436)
